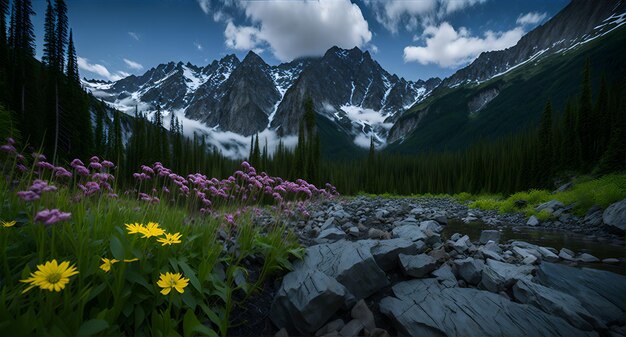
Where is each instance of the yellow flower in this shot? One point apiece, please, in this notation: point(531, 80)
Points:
point(152, 229)
point(51, 276)
point(170, 239)
point(169, 281)
point(131, 260)
point(106, 266)
point(8, 224)
point(135, 228)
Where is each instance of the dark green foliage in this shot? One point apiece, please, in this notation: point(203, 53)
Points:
point(545, 142)
point(72, 63)
point(49, 39)
point(61, 27)
point(585, 118)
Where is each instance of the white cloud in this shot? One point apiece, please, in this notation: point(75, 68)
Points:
point(394, 13)
point(198, 46)
point(133, 65)
point(531, 18)
point(205, 5)
point(100, 70)
point(134, 35)
point(293, 29)
point(448, 47)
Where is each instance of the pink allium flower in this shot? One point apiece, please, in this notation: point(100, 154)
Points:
point(62, 172)
point(95, 165)
point(94, 159)
point(28, 195)
point(50, 217)
point(76, 162)
point(81, 170)
point(107, 164)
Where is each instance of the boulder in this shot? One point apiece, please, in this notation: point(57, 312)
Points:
point(490, 234)
point(350, 263)
point(417, 265)
point(614, 217)
point(386, 252)
point(439, 254)
point(469, 269)
point(430, 225)
point(375, 233)
point(426, 308)
point(354, 231)
point(587, 258)
point(602, 293)
point(411, 232)
point(335, 325)
point(547, 255)
point(361, 312)
point(331, 234)
point(566, 254)
point(306, 299)
point(445, 276)
point(441, 218)
point(328, 224)
point(550, 206)
point(353, 328)
point(532, 221)
point(498, 276)
point(557, 303)
point(406, 222)
point(462, 244)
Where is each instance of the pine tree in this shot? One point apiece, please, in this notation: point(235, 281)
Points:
point(49, 39)
point(585, 119)
point(602, 120)
point(251, 148)
point(570, 147)
point(545, 143)
point(72, 63)
point(256, 155)
point(61, 33)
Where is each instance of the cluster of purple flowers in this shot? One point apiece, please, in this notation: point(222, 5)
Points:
point(51, 216)
point(96, 178)
point(35, 191)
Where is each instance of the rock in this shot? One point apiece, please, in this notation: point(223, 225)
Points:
point(521, 252)
point(492, 246)
point(588, 258)
point(382, 213)
point(441, 218)
point(425, 308)
point(550, 206)
point(430, 225)
point(490, 234)
point(445, 276)
point(439, 254)
point(557, 303)
point(354, 231)
point(490, 254)
point(417, 265)
point(328, 223)
point(350, 263)
point(282, 333)
point(565, 254)
point(469, 269)
point(455, 236)
point(432, 238)
point(306, 299)
point(386, 252)
point(611, 261)
point(331, 234)
point(417, 211)
point(340, 214)
point(532, 221)
point(335, 325)
point(498, 276)
point(353, 328)
point(408, 221)
point(614, 217)
point(547, 255)
point(375, 233)
point(377, 332)
point(564, 187)
point(602, 293)
point(361, 312)
point(462, 244)
point(530, 259)
point(411, 232)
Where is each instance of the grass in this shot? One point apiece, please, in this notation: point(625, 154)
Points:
point(585, 193)
point(126, 300)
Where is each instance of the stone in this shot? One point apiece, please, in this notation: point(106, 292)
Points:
point(602, 293)
point(417, 265)
point(386, 252)
point(530, 259)
point(335, 325)
point(614, 217)
point(411, 232)
point(490, 254)
point(331, 234)
point(353, 328)
point(430, 225)
point(498, 276)
point(565, 254)
point(547, 254)
point(445, 276)
point(306, 299)
point(550, 206)
point(455, 236)
point(439, 254)
point(340, 214)
point(441, 218)
point(362, 312)
point(354, 231)
point(425, 308)
point(469, 269)
point(377, 332)
point(532, 221)
point(557, 303)
point(611, 260)
point(375, 233)
point(432, 238)
point(587, 258)
point(350, 263)
point(328, 223)
point(489, 235)
point(462, 244)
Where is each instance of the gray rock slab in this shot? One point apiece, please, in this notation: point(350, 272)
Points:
point(417, 265)
point(411, 232)
point(386, 252)
point(614, 217)
point(445, 276)
point(498, 276)
point(470, 269)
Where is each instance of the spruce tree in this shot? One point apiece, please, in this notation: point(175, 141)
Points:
point(61, 33)
point(545, 143)
point(49, 39)
point(571, 157)
point(72, 62)
point(585, 119)
point(602, 119)
point(256, 155)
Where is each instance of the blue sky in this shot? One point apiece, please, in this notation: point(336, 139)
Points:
point(416, 39)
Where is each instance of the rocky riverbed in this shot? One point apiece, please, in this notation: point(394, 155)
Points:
point(384, 267)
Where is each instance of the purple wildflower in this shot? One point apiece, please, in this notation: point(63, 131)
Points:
point(51, 216)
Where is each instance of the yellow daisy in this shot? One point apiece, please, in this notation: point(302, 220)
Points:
point(7, 224)
point(152, 229)
point(169, 281)
point(106, 265)
point(135, 228)
point(51, 276)
point(170, 239)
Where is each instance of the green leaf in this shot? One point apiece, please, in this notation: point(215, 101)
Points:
point(189, 273)
point(117, 249)
point(192, 325)
point(92, 327)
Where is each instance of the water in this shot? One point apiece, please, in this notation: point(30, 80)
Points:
point(579, 243)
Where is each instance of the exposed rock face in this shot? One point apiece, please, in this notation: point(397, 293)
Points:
point(614, 217)
point(481, 100)
point(426, 308)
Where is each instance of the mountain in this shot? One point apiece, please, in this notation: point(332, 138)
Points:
point(357, 98)
point(503, 92)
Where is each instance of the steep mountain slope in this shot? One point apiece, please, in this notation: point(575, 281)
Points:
point(462, 111)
